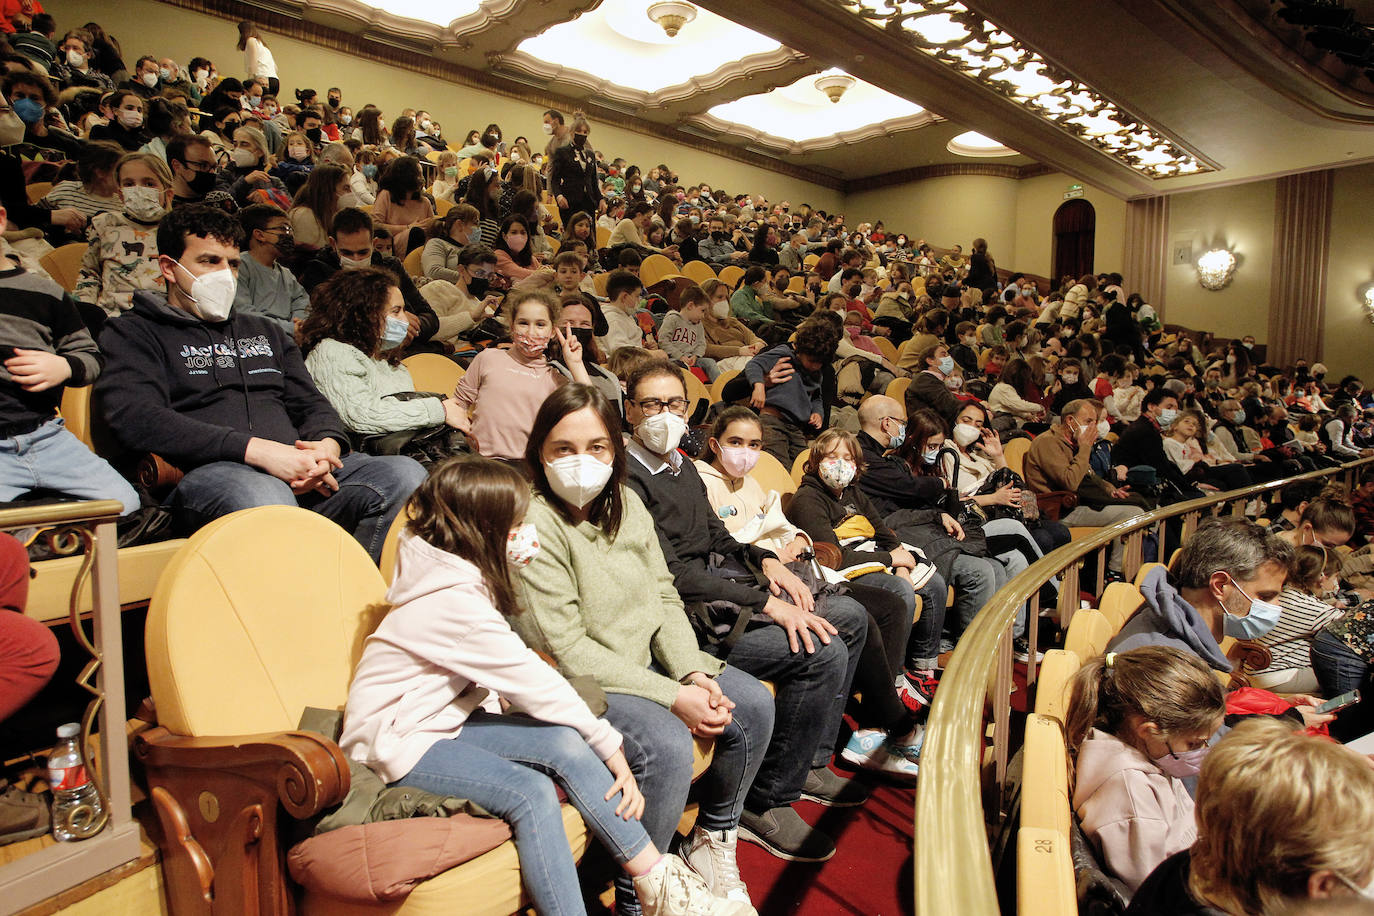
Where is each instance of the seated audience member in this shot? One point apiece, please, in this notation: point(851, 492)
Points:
point(1340, 433)
point(1141, 442)
point(929, 388)
point(49, 348)
point(448, 236)
point(682, 336)
point(1307, 606)
point(251, 162)
point(401, 206)
point(631, 232)
point(1283, 824)
point(96, 189)
point(226, 398)
point(792, 410)
point(194, 170)
point(1059, 460)
point(1183, 447)
point(716, 248)
point(296, 161)
point(1223, 583)
point(315, 205)
point(577, 317)
point(265, 287)
point(454, 579)
point(788, 642)
point(74, 66)
point(504, 387)
point(1362, 501)
point(748, 303)
point(122, 256)
point(1071, 385)
point(447, 182)
point(515, 257)
point(463, 303)
point(1016, 395)
point(600, 600)
point(622, 329)
point(126, 126)
point(727, 338)
point(965, 352)
point(1137, 726)
point(350, 343)
point(350, 248)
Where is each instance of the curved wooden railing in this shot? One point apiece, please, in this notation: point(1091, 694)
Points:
point(955, 805)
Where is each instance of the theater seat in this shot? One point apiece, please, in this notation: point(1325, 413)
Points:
point(260, 615)
point(432, 372)
point(730, 275)
point(64, 264)
point(412, 263)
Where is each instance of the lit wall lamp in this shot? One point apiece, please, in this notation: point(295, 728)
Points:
point(1215, 268)
point(671, 17)
point(1368, 298)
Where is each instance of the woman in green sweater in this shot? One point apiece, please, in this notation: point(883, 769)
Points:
point(351, 340)
point(601, 601)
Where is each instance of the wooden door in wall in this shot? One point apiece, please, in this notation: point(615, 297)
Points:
point(1075, 226)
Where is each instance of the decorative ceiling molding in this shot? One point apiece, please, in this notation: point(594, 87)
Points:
point(780, 67)
point(965, 42)
point(1245, 31)
point(946, 170)
point(457, 33)
point(859, 135)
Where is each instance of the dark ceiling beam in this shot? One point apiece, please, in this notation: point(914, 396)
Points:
point(834, 37)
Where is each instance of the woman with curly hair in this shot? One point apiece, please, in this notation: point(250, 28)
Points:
point(351, 341)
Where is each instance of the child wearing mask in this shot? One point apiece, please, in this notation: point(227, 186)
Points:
point(504, 388)
point(727, 338)
point(682, 336)
point(122, 257)
point(1137, 726)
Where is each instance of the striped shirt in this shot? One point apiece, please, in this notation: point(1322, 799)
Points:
point(73, 195)
point(1302, 614)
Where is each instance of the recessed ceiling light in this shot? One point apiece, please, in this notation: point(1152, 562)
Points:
point(972, 143)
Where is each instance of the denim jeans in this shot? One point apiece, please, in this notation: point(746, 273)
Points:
point(812, 690)
point(372, 490)
point(923, 649)
point(975, 580)
point(659, 749)
point(1340, 669)
point(890, 604)
point(50, 458)
point(508, 765)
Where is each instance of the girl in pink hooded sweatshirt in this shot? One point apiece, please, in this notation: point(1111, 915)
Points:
point(1137, 726)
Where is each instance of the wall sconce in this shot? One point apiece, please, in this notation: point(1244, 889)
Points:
point(671, 16)
point(1368, 299)
point(1215, 268)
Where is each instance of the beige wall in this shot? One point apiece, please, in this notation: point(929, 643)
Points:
point(148, 27)
point(1014, 216)
point(1241, 219)
point(1348, 335)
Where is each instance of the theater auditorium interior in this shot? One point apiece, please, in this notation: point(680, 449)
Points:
point(500, 457)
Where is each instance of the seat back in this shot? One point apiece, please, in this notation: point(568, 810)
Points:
point(655, 269)
point(38, 190)
point(1044, 861)
point(896, 389)
point(1015, 451)
point(441, 206)
point(771, 475)
point(730, 275)
point(412, 263)
point(64, 264)
point(1052, 683)
point(1089, 633)
point(432, 372)
point(1120, 600)
point(696, 391)
point(603, 237)
point(797, 284)
point(810, 261)
point(599, 282)
point(799, 466)
point(718, 386)
point(883, 344)
point(699, 271)
point(1045, 785)
point(1144, 571)
point(262, 613)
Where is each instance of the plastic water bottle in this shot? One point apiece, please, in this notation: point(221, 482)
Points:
point(76, 809)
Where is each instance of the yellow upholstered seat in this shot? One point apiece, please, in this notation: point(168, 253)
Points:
point(263, 613)
point(1119, 601)
point(771, 475)
point(603, 237)
point(885, 346)
point(38, 190)
point(718, 386)
point(1015, 451)
point(64, 264)
point(656, 268)
point(896, 389)
point(1089, 633)
point(599, 283)
point(1052, 683)
point(699, 271)
point(412, 263)
point(432, 372)
point(1045, 789)
point(696, 391)
point(1044, 874)
point(799, 466)
point(1144, 571)
point(442, 205)
point(810, 261)
point(730, 275)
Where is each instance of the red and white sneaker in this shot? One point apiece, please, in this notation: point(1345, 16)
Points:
point(916, 689)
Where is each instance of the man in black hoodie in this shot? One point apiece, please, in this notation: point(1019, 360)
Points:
point(227, 399)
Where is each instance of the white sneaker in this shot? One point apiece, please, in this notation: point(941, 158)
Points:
point(711, 854)
point(671, 888)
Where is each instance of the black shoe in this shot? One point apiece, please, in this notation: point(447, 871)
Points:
point(826, 787)
point(1020, 650)
point(783, 833)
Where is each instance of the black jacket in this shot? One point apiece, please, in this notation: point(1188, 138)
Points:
point(194, 392)
point(689, 533)
point(926, 390)
point(1142, 443)
point(891, 485)
point(816, 510)
point(575, 178)
point(326, 264)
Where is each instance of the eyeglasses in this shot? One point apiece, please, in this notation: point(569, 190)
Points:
point(201, 167)
point(651, 406)
point(480, 274)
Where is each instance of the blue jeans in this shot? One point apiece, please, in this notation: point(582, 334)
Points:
point(890, 604)
point(508, 765)
point(923, 651)
point(372, 490)
point(975, 579)
point(50, 458)
point(1340, 669)
point(659, 748)
point(812, 690)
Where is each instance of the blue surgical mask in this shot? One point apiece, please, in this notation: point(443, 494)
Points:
point(1262, 618)
point(30, 111)
point(898, 437)
point(1167, 417)
point(930, 454)
point(370, 170)
point(395, 332)
point(946, 365)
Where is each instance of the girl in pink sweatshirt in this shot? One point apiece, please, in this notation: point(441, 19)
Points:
point(427, 706)
point(1137, 726)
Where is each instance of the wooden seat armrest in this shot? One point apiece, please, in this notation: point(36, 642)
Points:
point(309, 772)
point(828, 555)
point(1056, 503)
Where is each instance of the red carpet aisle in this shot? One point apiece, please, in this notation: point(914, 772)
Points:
point(870, 874)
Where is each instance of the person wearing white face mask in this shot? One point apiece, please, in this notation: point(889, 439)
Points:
point(122, 256)
point(726, 336)
point(73, 66)
point(145, 79)
point(227, 399)
point(126, 128)
point(757, 615)
point(1137, 725)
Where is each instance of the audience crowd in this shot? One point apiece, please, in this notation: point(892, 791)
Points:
point(257, 267)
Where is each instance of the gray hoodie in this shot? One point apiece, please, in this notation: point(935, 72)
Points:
point(1165, 619)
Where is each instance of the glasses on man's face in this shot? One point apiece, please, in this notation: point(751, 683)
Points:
point(201, 167)
point(651, 406)
point(480, 274)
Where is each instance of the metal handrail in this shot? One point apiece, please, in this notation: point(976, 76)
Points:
point(953, 870)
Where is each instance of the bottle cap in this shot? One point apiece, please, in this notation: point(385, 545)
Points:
point(70, 730)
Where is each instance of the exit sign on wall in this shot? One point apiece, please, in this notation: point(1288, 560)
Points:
point(1075, 190)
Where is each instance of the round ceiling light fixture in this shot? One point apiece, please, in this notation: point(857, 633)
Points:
point(671, 16)
point(834, 85)
point(973, 144)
